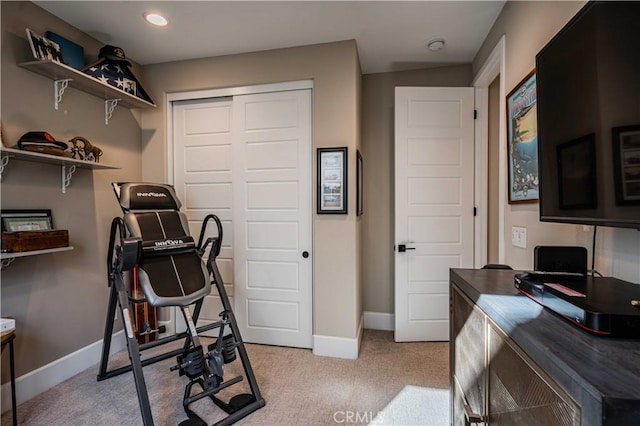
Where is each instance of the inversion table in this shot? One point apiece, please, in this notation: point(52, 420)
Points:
point(152, 240)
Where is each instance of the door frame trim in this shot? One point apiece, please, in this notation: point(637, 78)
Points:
point(193, 95)
point(493, 66)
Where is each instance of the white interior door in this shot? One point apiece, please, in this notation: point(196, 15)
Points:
point(434, 169)
point(203, 163)
point(272, 212)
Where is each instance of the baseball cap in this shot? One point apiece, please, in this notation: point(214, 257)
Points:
point(113, 53)
point(40, 138)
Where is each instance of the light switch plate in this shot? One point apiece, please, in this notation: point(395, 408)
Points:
point(519, 236)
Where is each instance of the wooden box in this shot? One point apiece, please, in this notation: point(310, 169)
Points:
point(34, 240)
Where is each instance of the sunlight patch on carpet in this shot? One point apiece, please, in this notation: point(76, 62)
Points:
point(415, 405)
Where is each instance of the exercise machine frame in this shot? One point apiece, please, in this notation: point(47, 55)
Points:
point(122, 259)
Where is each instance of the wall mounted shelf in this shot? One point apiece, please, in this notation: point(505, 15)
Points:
point(64, 162)
point(64, 76)
point(8, 258)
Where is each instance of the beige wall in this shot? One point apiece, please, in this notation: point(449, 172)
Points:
point(527, 27)
point(59, 300)
point(377, 150)
point(334, 69)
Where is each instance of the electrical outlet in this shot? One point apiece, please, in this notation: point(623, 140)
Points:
point(519, 236)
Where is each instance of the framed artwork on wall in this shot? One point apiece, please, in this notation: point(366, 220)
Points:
point(332, 181)
point(522, 141)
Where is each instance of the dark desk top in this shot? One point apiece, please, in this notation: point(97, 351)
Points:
point(608, 369)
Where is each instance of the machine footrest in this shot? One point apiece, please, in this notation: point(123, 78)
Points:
point(190, 400)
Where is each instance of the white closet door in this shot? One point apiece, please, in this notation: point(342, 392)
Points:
point(272, 215)
point(203, 162)
point(249, 161)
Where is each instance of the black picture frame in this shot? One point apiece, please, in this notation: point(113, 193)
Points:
point(626, 164)
point(359, 184)
point(577, 179)
point(26, 220)
point(332, 179)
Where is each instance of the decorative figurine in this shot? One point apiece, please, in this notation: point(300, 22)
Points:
point(87, 151)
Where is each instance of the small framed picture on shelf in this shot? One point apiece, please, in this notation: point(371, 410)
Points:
point(332, 181)
point(26, 220)
point(42, 48)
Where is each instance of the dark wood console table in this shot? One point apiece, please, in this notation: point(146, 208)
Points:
point(515, 362)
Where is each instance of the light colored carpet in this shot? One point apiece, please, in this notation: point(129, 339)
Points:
point(390, 383)
point(416, 405)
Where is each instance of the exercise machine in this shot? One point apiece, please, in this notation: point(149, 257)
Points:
point(152, 241)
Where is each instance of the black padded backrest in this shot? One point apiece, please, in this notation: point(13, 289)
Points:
point(175, 280)
point(496, 266)
point(136, 196)
point(160, 231)
point(171, 272)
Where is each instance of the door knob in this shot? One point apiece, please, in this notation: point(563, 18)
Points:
point(305, 254)
point(402, 248)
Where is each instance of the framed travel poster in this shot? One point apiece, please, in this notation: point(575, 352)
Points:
point(522, 140)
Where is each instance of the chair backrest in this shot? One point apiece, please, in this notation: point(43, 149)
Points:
point(171, 271)
point(496, 266)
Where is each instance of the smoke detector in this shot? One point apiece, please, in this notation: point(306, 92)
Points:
point(435, 44)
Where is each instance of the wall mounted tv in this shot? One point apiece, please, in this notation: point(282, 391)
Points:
point(588, 101)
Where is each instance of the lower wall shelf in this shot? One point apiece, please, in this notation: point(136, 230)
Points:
point(8, 258)
point(64, 162)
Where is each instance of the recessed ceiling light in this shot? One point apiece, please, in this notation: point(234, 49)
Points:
point(435, 44)
point(156, 19)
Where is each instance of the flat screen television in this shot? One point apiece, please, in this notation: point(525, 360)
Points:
point(588, 111)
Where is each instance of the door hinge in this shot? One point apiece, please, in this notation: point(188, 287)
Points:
point(475, 211)
point(475, 114)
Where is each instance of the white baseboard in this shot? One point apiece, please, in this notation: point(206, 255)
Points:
point(379, 321)
point(338, 347)
point(47, 376)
